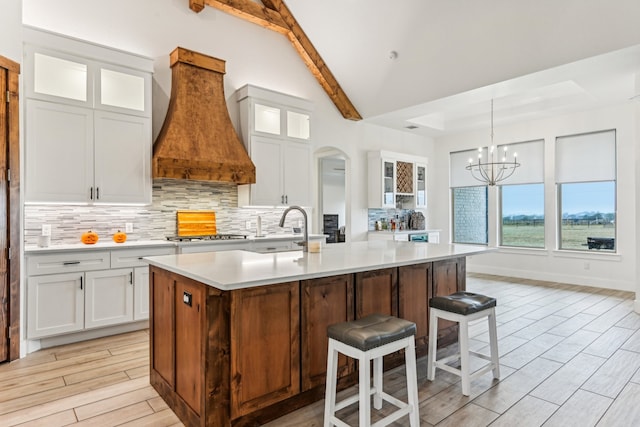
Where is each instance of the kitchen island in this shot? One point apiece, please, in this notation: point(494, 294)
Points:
point(239, 338)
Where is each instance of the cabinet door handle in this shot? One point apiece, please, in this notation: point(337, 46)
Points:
point(71, 262)
point(282, 199)
point(97, 193)
point(286, 200)
point(81, 283)
point(91, 193)
point(131, 278)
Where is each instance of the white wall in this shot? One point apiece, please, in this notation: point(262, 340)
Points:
point(604, 270)
point(11, 24)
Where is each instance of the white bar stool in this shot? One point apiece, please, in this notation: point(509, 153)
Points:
point(366, 339)
point(462, 307)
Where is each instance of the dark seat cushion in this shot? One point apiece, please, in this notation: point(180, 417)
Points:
point(371, 331)
point(463, 303)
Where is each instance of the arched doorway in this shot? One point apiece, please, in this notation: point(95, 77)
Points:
point(333, 213)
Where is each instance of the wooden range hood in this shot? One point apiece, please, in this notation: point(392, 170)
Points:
point(197, 140)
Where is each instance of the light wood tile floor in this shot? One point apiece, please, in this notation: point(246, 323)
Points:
point(570, 356)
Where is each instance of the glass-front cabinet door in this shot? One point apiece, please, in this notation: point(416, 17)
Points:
point(421, 186)
point(388, 181)
point(56, 76)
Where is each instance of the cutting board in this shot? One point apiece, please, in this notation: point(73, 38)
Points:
point(195, 222)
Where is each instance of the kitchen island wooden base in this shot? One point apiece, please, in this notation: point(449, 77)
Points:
point(246, 356)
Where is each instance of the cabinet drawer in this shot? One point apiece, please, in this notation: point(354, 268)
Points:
point(275, 246)
point(68, 262)
point(125, 258)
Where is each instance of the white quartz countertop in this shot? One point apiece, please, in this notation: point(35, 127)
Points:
point(253, 238)
point(108, 244)
point(242, 269)
point(105, 246)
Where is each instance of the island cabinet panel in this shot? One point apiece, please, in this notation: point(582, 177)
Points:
point(265, 349)
point(448, 277)
point(414, 291)
point(377, 292)
point(162, 332)
point(189, 333)
point(190, 315)
point(324, 301)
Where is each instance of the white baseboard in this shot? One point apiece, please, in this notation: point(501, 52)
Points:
point(34, 345)
point(570, 279)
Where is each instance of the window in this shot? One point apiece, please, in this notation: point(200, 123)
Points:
point(522, 198)
point(522, 212)
point(586, 180)
point(469, 202)
point(470, 224)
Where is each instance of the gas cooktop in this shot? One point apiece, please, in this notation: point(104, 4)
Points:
point(206, 237)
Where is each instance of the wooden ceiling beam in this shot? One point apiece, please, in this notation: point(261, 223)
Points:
point(247, 10)
point(276, 16)
point(314, 61)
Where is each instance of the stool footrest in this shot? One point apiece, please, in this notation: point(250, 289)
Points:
point(479, 355)
point(394, 416)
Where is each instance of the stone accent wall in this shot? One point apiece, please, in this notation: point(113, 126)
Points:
point(156, 221)
point(470, 215)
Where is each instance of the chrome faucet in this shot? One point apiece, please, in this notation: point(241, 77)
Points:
point(305, 241)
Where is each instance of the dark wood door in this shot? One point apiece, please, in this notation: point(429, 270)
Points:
point(9, 212)
point(265, 348)
point(325, 301)
point(377, 292)
point(414, 290)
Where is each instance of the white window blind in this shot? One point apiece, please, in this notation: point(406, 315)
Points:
point(458, 161)
point(586, 158)
point(531, 159)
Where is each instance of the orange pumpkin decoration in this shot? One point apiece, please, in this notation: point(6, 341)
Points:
point(89, 238)
point(120, 237)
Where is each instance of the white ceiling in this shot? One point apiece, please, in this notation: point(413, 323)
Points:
point(596, 82)
point(535, 58)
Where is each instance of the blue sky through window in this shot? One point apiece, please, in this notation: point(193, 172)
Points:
point(576, 198)
point(523, 200)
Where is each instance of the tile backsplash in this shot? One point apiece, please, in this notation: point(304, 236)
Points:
point(156, 221)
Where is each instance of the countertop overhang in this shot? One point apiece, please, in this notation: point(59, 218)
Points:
point(229, 270)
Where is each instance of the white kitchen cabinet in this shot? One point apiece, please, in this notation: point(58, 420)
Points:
point(108, 297)
point(396, 180)
point(275, 246)
point(122, 158)
point(77, 290)
point(141, 293)
point(228, 245)
point(77, 155)
point(59, 152)
point(131, 257)
point(87, 122)
point(55, 304)
point(421, 186)
point(276, 131)
point(282, 173)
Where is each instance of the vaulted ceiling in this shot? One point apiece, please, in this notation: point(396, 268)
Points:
point(429, 64)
